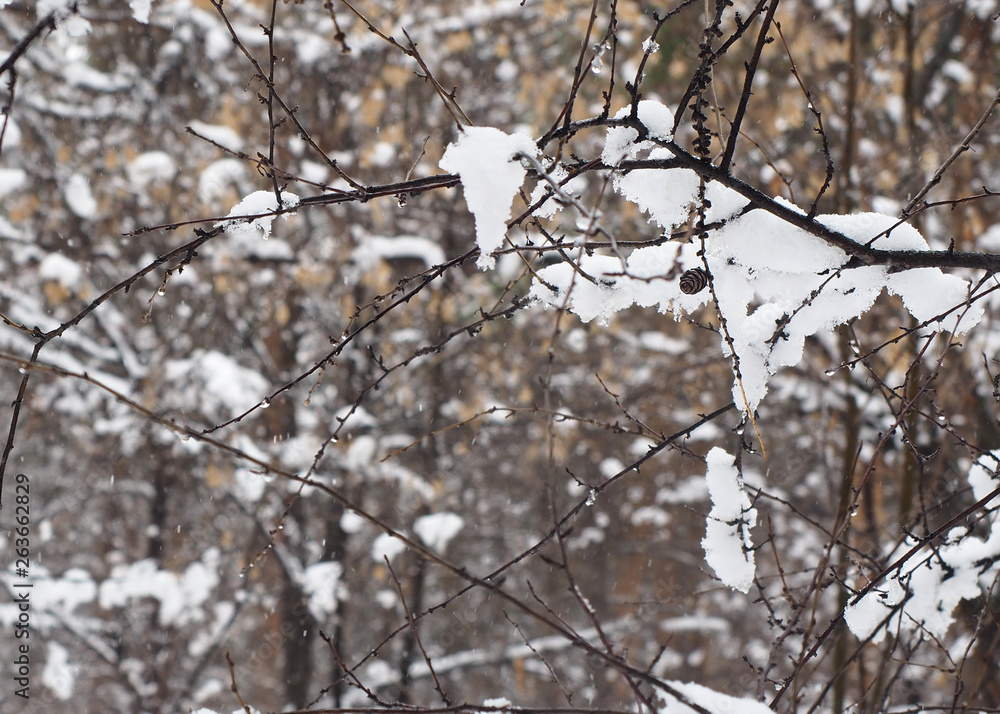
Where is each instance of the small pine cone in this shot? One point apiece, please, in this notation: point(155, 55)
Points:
point(693, 281)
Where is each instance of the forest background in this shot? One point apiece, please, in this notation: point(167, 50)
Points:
point(341, 461)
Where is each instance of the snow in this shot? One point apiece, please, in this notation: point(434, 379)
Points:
point(372, 250)
point(387, 546)
point(61, 8)
point(982, 8)
point(926, 590)
point(140, 10)
point(81, 74)
point(222, 135)
point(351, 523)
point(483, 157)
point(657, 118)
point(218, 177)
point(620, 141)
point(58, 267)
point(224, 382)
point(659, 342)
point(249, 484)
point(775, 284)
point(314, 171)
point(353, 418)
point(12, 134)
point(68, 21)
point(548, 209)
point(321, 583)
point(497, 703)
point(765, 273)
point(149, 167)
point(666, 195)
point(650, 515)
point(58, 675)
point(260, 204)
point(710, 700)
point(438, 529)
point(63, 594)
point(382, 154)
point(727, 544)
point(181, 596)
point(11, 180)
point(78, 196)
point(926, 292)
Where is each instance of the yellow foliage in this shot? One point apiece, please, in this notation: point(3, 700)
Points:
point(224, 283)
point(373, 105)
point(397, 76)
point(55, 292)
point(313, 275)
point(458, 41)
point(282, 315)
point(218, 474)
point(22, 208)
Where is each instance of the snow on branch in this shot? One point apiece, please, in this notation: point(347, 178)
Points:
point(924, 592)
point(255, 213)
point(778, 275)
point(727, 543)
point(483, 158)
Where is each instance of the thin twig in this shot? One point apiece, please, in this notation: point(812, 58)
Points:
point(416, 635)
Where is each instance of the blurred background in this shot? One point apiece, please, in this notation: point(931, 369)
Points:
point(458, 415)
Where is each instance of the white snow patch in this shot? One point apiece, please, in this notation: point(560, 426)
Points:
point(224, 382)
point(373, 249)
point(926, 590)
point(386, 546)
point(12, 135)
point(261, 204)
point(314, 171)
point(556, 175)
point(438, 529)
point(657, 118)
point(68, 22)
point(352, 418)
point(140, 10)
point(58, 675)
point(498, 702)
point(620, 141)
point(776, 284)
point(66, 593)
point(351, 523)
point(659, 342)
point(382, 154)
point(11, 179)
point(63, 270)
point(709, 700)
point(180, 596)
point(79, 197)
point(321, 583)
point(250, 484)
point(218, 178)
point(149, 167)
point(484, 159)
point(61, 8)
point(222, 135)
point(727, 544)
